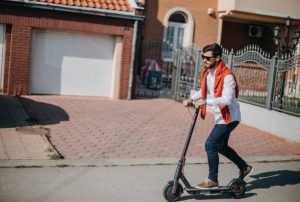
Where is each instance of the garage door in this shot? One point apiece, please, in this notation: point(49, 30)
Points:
point(72, 64)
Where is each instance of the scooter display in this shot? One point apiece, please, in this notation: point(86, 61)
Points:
point(173, 189)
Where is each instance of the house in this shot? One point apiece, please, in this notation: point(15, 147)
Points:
point(68, 47)
point(253, 22)
point(232, 23)
point(47, 45)
point(170, 25)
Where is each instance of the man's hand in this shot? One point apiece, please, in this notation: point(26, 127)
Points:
point(199, 103)
point(187, 102)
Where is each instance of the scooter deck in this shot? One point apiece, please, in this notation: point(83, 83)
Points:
point(212, 190)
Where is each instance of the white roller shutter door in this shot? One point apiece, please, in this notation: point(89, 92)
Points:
point(72, 64)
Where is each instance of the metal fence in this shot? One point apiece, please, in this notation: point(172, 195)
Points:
point(187, 66)
point(155, 77)
point(287, 85)
point(263, 80)
point(251, 66)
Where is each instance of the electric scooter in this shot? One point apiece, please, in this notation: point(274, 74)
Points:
point(173, 189)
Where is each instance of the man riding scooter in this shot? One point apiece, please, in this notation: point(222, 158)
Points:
point(219, 90)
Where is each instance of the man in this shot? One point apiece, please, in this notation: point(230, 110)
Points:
point(218, 90)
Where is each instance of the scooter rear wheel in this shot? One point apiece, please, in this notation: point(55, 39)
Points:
point(168, 192)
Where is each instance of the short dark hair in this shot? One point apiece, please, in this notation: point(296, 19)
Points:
point(215, 48)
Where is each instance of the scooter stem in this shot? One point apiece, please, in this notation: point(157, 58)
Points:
point(178, 173)
point(190, 133)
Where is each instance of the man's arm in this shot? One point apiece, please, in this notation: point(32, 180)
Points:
point(197, 96)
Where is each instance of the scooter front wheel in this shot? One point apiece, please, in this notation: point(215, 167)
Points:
point(168, 192)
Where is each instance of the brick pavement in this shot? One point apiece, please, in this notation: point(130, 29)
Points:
point(96, 128)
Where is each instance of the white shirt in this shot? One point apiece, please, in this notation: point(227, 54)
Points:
point(227, 98)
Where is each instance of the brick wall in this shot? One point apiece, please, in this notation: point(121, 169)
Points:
point(205, 29)
point(21, 21)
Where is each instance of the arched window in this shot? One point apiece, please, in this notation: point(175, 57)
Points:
point(175, 30)
point(178, 32)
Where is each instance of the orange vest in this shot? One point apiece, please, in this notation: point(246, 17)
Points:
point(221, 71)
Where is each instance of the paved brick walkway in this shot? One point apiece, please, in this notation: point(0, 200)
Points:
point(94, 128)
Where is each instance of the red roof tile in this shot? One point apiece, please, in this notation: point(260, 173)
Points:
point(117, 5)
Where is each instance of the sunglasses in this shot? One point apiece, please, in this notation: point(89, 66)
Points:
point(207, 57)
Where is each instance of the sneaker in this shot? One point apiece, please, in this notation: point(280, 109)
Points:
point(207, 184)
point(245, 172)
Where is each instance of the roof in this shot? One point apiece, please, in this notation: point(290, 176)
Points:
point(114, 5)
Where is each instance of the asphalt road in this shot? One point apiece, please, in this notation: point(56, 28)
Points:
point(269, 182)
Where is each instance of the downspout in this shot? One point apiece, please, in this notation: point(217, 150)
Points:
point(129, 96)
point(2, 59)
point(10, 58)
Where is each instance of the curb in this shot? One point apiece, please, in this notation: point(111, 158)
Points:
point(45, 134)
point(133, 162)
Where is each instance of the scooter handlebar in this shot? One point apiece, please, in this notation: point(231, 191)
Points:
point(190, 104)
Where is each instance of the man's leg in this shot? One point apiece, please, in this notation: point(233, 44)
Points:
point(228, 151)
point(231, 153)
point(212, 145)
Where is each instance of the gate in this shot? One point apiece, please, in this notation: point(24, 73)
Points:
point(287, 85)
point(188, 70)
point(154, 78)
point(251, 66)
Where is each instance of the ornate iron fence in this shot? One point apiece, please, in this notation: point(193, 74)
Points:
point(263, 80)
point(188, 71)
point(287, 85)
point(251, 66)
point(154, 79)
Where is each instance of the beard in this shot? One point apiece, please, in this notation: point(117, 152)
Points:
point(210, 65)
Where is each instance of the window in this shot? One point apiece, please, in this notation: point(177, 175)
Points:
point(174, 35)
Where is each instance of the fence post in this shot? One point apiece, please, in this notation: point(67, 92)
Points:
point(176, 74)
point(197, 66)
point(271, 83)
point(230, 59)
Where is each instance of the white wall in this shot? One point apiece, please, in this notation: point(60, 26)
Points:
point(276, 123)
point(271, 121)
point(277, 8)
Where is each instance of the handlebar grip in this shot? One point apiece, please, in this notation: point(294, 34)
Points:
point(193, 105)
point(190, 104)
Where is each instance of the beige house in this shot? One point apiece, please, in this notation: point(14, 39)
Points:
point(170, 25)
point(232, 23)
point(242, 22)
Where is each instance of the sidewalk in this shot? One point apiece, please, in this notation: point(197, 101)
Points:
point(121, 132)
point(18, 140)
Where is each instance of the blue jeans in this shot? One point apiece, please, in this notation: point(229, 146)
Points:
point(217, 142)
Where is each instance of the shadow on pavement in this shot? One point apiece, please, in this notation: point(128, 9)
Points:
point(274, 178)
point(261, 181)
point(43, 113)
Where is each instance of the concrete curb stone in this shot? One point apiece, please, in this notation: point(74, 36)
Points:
point(133, 162)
